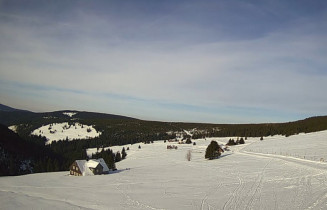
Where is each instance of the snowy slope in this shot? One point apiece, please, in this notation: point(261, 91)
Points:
point(156, 178)
point(62, 131)
point(69, 114)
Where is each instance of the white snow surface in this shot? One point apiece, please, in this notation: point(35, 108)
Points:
point(251, 176)
point(70, 114)
point(13, 128)
point(62, 131)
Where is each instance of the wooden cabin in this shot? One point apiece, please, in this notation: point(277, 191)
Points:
point(88, 167)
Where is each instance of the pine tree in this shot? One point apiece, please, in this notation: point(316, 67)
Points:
point(118, 157)
point(123, 153)
point(212, 151)
point(231, 142)
point(50, 166)
point(111, 162)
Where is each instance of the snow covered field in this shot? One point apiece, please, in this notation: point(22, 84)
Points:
point(62, 131)
point(257, 175)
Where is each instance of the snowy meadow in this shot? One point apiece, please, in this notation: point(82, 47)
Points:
point(276, 173)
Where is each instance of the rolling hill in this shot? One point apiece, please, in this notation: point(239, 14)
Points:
point(57, 132)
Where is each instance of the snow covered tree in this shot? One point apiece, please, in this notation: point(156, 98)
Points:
point(213, 150)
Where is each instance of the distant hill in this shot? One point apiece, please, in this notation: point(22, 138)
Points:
point(9, 109)
point(11, 116)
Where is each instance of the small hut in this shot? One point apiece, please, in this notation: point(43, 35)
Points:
point(88, 167)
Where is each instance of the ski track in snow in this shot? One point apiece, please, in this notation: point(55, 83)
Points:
point(163, 179)
point(232, 201)
point(257, 185)
point(46, 198)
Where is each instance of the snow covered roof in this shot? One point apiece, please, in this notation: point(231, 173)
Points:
point(104, 165)
point(92, 163)
point(85, 166)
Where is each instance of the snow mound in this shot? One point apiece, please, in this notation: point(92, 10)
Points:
point(62, 131)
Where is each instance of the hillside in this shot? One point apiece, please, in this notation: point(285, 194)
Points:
point(9, 109)
point(156, 178)
point(18, 156)
point(56, 132)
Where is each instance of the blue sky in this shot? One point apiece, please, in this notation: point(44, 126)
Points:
point(199, 61)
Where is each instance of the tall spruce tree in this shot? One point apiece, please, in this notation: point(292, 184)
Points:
point(123, 153)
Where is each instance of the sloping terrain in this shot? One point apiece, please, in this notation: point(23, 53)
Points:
point(9, 109)
point(64, 131)
point(18, 156)
point(153, 177)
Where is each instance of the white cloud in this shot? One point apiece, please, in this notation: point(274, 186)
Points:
point(283, 70)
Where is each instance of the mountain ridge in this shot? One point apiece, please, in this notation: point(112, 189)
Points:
point(10, 109)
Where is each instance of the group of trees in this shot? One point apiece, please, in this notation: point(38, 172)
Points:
point(20, 156)
point(110, 157)
point(232, 142)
